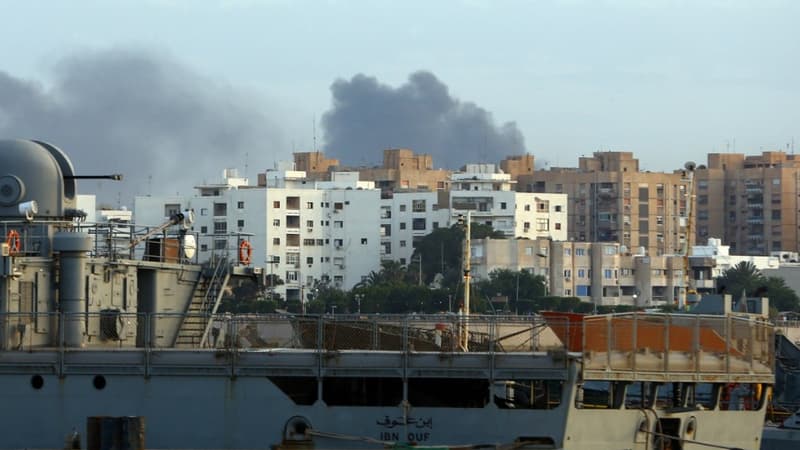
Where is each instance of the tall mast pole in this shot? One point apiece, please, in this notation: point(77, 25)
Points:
point(466, 264)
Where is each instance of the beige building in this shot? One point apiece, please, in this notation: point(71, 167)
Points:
point(749, 201)
point(596, 272)
point(402, 169)
point(611, 200)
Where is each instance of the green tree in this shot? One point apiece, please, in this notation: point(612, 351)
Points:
point(515, 285)
point(781, 296)
point(741, 277)
point(745, 277)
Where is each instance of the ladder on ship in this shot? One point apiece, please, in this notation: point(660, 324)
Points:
point(198, 318)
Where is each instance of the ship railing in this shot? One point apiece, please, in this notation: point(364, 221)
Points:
point(116, 328)
point(113, 239)
point(634, 345)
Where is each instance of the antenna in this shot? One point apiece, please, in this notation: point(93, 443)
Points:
point(314, 131)
point(246, 155)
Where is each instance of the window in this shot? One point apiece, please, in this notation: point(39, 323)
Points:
point(338, 224)
point(220, 227)
point(220, 244)
point(276, 222)
point(203, 211)
point(240, 223)
point(567, 273)
point(580, 252)
point(503, 205)
point(363, 241)
point(338, 243)
point(435, 225)
point(558, 226)
point(610, 250)
point(276, 204)
point(320, 242)
point(309, 205)
point(418, 224)
point(292, 259)
point(526, 226)
point(527, 207)
point(558, 208)
point(309, 260)
point(220, 209)
point(581, 273)
point(308, 242)
point(608, 274)
point(776, 214)
point(310, 223)
point(402, 208)
point(276, 241)
point(203, 247)
point(402, 225)
point(204, 229)
point(567, 252)
point(171, 209)
point(402, 243)
point(542, 224)
point(418, 205)
point(239, 205)
point(338, 206)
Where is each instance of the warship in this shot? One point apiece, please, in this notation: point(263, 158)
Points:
point(118, 320)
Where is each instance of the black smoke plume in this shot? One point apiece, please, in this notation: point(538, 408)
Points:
point(141, 114)
point(367, 117)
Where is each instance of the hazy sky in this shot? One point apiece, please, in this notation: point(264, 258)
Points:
point(213, 84)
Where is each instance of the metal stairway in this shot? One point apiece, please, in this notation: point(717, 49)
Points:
point(197, 320)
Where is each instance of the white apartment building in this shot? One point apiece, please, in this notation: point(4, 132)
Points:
point(303, 231)
point(491, 200)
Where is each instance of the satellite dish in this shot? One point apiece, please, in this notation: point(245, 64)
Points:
point(189, 246)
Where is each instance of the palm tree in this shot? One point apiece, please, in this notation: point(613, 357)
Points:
point(741, 277)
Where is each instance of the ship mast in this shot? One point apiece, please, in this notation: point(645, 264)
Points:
point(682, 295)
point(467, 255)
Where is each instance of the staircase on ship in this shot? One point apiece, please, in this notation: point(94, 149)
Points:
point(198, 318)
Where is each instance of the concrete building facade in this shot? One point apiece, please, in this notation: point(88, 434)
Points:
point(750, 202)
point(596, 272)
point(303, 231)
point(611, 200)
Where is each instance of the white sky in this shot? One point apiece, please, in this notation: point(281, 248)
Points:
point(668, 80)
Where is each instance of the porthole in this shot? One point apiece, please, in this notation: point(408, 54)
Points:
point(99, 382)
point(37, 382)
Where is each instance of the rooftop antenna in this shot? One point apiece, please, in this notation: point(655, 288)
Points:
point(314, 131)
point(246, 155)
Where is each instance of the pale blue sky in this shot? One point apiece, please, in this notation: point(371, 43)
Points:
point(668, 80)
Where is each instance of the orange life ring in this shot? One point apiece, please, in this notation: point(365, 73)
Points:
point(14, 242)
point(245, 252)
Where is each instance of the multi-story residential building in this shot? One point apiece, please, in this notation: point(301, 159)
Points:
point(302, 230)
point(402, 169)
point(611, 200)
point(751, 202)
point(489, 196)
point(596, 272)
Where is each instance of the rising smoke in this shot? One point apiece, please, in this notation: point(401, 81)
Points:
point(368, 117)
point(138, 113)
